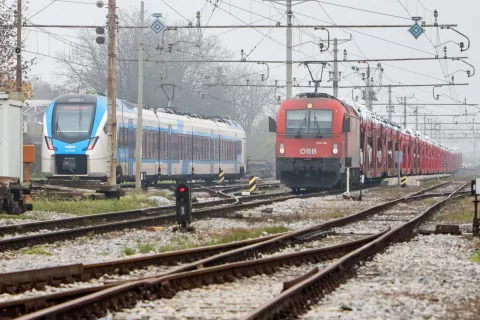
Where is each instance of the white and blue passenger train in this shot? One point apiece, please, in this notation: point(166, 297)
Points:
point(175, 145)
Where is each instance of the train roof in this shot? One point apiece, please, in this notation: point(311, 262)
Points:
point(373, 117)
point(130, 107)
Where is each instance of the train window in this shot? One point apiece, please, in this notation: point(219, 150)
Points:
point(163, 146)
point(321, 121)
point(72, 122)
point(296, 121)
point(123, 138)
point(173, 154)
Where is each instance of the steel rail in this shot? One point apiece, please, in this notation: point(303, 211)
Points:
point(49, 237)
point(20, 281)
point(301, 296)
point(166, 285)
point(233, 256)
point(83, 221)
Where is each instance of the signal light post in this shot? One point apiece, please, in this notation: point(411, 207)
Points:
point(183, 207)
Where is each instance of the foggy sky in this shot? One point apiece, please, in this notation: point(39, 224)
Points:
point(461, 12)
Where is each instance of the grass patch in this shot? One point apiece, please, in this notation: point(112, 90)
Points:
point(459, 210)
point(333, 214)
point(87, 207)
point(128, 251)
point(36, 250)
point(239, 234)
point(475, 257)
point(429, 201)
point(162, 193)
point(146, 247)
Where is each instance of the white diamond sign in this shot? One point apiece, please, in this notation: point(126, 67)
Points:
point(157, 26)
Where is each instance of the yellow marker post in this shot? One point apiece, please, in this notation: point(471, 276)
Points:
point(221, 176)
point(403, 182)
point(252, 184)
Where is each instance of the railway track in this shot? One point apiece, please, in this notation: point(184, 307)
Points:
point(151, 218)
point(202, 271)
point(83, 221)
point(308, 290)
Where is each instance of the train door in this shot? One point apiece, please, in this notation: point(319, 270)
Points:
point(212, 153)
point(192, 150)
point(169, 150)
point(131, 147)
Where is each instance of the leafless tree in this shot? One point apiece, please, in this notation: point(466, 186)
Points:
point(86, 66)
point(8, 43)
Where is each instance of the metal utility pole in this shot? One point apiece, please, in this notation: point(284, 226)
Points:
point(138, 140)
point(112, 93)
point(335, 67)
point(425, 124)
point(415, 111)
point(403, 101)
point(289, 49)
point(18, 49)
point(474, 146)
point(390, 107)
point(368, 101)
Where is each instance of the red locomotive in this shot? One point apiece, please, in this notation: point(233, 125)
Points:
point(319, 136)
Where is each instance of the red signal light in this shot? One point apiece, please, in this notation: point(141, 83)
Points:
point(182, 189)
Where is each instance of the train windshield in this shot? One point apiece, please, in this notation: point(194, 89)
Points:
point(297, 121)
point(309, 122)
point(72, 122)
point(320, 122)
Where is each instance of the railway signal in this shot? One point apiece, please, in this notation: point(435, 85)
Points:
point(475, 192)
point(183, 206)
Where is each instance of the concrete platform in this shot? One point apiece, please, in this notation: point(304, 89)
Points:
point(415, 180)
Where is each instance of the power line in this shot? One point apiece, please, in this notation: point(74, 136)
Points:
point(344, 87)
point(295, 61)
point(245, 26)
point(48, 5)
point(363, 10)
point(181, 15)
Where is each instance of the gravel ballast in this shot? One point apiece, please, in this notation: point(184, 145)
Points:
point(429, 277)
point(219, 301)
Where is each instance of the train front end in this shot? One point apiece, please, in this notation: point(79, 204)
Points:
point(74, 138)
point(310, 142)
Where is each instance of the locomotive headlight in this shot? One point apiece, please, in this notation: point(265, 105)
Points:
point(92, 143)
point(282, 148)
point(335, 148)
point(49, 143)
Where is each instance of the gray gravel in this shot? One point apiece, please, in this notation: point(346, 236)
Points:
point(392, 217)
point(220, 301)
point(427, 278)
point(111, 246)
point(135, 274)
point(34, 216)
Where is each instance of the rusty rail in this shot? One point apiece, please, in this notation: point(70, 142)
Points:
point(165, 286)
point(20, 281)
point(134, 289)
point(300, 297)
point(20, 242)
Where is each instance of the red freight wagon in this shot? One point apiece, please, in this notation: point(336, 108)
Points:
point(318, 136)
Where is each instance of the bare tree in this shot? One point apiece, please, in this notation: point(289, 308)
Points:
point(86, 66)
point(8, 43)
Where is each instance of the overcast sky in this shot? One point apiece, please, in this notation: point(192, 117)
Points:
point(267, 44)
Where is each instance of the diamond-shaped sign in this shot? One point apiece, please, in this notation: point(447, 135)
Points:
point(157, 26)
point(416, 30)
